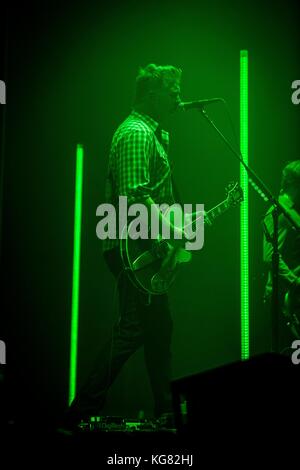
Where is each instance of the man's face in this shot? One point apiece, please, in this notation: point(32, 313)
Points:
point(166, 100)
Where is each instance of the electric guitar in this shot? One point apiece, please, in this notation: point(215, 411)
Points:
point(291, 307)
point(152, 265)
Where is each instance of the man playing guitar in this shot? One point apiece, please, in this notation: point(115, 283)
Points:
point(289, 249)
point(139, 169)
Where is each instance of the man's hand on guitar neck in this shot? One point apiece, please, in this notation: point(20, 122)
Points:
point(189, 217)
point(177, 235)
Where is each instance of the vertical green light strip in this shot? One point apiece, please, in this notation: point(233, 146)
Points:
point(76, 272)
point(244, 229)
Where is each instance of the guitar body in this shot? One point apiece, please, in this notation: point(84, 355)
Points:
point(153, 264)
point(291, 307)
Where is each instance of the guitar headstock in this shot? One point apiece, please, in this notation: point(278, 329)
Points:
point(234, 193)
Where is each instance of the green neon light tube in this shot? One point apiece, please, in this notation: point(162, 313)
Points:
point(244, 224)
point(76, 272)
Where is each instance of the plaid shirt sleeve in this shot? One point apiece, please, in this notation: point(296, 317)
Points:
point(133, 162)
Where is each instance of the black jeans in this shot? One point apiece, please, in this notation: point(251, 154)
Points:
point(139, 324)
point(285, 335)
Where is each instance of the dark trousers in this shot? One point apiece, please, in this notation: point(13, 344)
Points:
point(285, 335)
point(139, 324)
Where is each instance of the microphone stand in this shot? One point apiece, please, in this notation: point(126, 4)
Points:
point(264, 192)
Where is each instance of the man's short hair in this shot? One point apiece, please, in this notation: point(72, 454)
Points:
point(154, 77)
point(291, 175)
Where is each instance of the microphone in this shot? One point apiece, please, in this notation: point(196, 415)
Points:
point(185, 106)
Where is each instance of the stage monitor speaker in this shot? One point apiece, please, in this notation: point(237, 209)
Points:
point(262, 392)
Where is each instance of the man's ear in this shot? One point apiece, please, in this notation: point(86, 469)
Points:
point(152, 97)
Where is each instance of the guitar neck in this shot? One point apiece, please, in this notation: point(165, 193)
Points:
point(218, 210)
point(213, 213)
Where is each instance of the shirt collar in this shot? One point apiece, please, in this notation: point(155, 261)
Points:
point(146, 119)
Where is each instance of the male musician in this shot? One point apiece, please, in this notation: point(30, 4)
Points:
point(288, 238)
point(139, 169)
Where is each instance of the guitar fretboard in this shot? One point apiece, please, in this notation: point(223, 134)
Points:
point(213, 213)
point(233, 198)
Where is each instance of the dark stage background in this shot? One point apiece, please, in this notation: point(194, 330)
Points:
point(69, 73)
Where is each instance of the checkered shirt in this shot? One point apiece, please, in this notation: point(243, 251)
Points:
point(138, 165)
